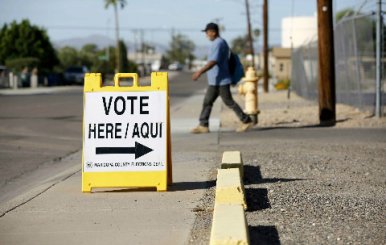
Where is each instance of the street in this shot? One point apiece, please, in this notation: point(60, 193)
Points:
point(36, 131)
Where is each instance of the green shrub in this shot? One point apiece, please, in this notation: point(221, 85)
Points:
point(18, 64)
point(283, 84)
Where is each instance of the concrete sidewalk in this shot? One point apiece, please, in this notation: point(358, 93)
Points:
point(57, 212)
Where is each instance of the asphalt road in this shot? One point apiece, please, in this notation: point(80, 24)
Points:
point(38, 130)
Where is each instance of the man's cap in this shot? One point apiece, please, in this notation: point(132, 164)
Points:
point(211, 26)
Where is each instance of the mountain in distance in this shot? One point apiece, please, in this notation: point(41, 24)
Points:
point(103, 41)
point(100, 41)
point(78, 42)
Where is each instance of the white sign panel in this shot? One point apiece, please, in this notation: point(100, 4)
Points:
point(125, 131)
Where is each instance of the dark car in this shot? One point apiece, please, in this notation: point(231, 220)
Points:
point(75, 74)
point(4, 77)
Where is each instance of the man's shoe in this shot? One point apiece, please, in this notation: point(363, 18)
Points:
point(200, 130)
point(244, 127)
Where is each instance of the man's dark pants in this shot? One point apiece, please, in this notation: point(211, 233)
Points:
point(210, 97)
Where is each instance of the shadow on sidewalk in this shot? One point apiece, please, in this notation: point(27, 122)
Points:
point(176, 186)
point(264, 235)
point(320, 125)
point(187, 186)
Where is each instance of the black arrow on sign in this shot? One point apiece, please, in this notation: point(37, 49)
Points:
point(139, 150)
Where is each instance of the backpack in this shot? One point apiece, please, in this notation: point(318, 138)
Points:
point(236, 69)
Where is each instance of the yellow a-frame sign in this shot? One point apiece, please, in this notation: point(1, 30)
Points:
point(126, 133)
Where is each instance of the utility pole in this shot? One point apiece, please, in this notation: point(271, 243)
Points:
point(326, 85)
point(142, 48)
point(378, 94)
point(250, 38)
point(117, 50)
point(265, 45)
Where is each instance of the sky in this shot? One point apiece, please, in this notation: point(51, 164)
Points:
point(158, 19)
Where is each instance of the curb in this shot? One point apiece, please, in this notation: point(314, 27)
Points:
point(229, 188)
point(232, 159)
point(229, 225)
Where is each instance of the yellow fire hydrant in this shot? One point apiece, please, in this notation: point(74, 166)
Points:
point(249, 89)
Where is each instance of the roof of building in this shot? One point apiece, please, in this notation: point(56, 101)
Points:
point(281, 52)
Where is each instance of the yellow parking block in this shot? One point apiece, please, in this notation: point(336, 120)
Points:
point(229, 187)
point(232, 159)
point(229, 225)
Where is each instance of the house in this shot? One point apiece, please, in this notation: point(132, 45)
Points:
point(146, 61)
point(282, 65)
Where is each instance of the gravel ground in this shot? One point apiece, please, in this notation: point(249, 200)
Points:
point(317, 195)
point(200, 234)
point(277, 110)
point(305, 184)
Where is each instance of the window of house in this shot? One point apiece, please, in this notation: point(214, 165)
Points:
point(281, 68)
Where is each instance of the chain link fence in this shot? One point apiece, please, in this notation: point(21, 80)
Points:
point(355, 64)
point(305, 77)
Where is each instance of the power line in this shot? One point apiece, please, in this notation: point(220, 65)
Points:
point(131, 29)
point(134, 29)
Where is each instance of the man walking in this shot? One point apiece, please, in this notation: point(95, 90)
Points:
point(219, 81)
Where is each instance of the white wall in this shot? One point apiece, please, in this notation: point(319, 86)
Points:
point(302, 29)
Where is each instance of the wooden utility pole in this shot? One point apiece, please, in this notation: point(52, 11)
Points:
point(326, 63)
point(265, 45)
point(118, 46)
point(250, 38)
point(378, 92)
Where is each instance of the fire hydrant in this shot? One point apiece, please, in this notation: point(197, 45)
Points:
point(249, 89)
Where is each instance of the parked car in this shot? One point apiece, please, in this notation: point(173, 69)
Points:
point(175, 66)
point(156, 65)
point(4, 77)
point(75, 74)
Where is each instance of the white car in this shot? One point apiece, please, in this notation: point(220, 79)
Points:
point(175, 67)
point(156, 65)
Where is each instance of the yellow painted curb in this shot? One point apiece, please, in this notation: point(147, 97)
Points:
point(233, 159)
point(229, 187)
point(229, 225)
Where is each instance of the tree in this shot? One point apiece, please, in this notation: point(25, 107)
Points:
point(146, 48)
point(100, 61)
point(88, 55)
point(256, 33)
point(114, 3)
point(364, 27)
point(344, 13)
point(123, 57)
point(181, 49)
point(109, 65)
point(240, 45)
point(68, 56)
point(23, 40)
